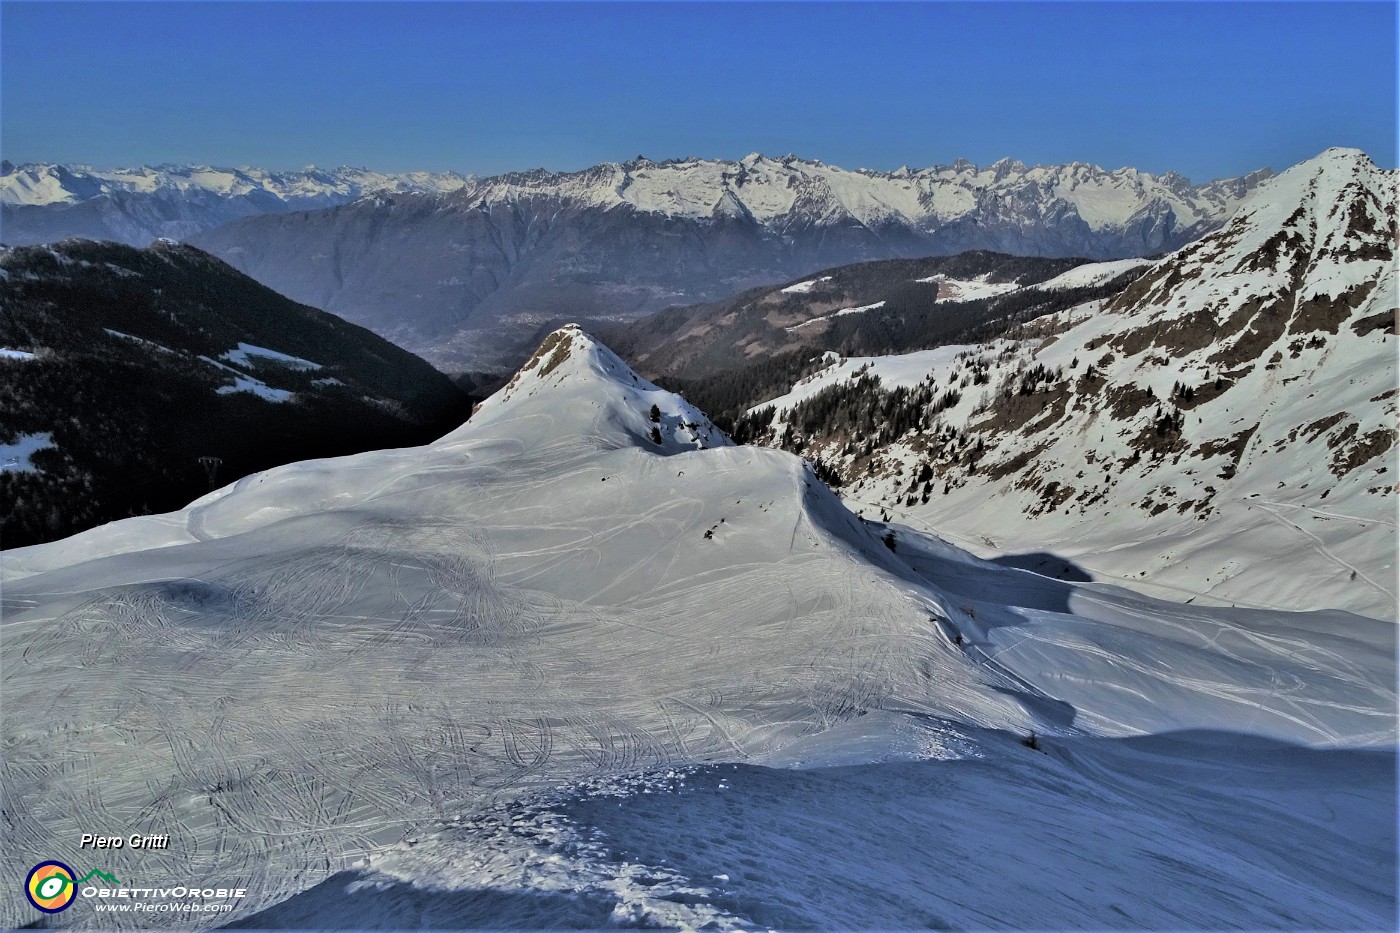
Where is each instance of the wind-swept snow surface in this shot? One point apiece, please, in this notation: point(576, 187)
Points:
point(583, 663)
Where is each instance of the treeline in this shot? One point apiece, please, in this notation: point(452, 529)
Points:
point(913, 318)
point(704, 339)
point(859, 410)
point(725, 395)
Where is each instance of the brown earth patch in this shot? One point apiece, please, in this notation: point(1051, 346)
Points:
point(1127, 401)
point(1387, 321)
point(1156, 443)
point(1326, 313)
point(557, 343)
point(1367, 239)
point(1260, 322)
point(1322, 425)
point(1188, 333)
point(1028, 413)
point(1232, 447)
point(1205, 392)
point(1350, 456)
point(1052, 494)
point(1268, 255)
point(1017, 463)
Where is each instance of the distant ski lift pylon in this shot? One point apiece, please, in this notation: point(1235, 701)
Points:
point(211, 468)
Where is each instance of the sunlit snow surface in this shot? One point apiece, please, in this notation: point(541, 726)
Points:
point(802, 288)
point(1093, 273)
point(551, 672)
point(951, 289)
point(841, 313)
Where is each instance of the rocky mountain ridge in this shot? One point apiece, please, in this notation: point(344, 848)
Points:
point(43, 202)
point(1229, 413)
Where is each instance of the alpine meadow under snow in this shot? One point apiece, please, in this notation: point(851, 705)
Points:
point(584, 663)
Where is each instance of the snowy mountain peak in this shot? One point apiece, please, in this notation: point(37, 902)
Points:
point(40, 183)
point(567, 354)
point(783, 192)
point(592, 394)
point(1239, 398)
point(1299, 256)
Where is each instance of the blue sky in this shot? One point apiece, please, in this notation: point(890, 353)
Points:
point(1207, 89)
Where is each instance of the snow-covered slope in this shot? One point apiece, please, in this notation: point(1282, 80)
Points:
point(1223, 429)
point(45, 202)
point(1094, 273)
point(401, 687)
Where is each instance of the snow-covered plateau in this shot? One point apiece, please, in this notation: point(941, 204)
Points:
point(583, 663)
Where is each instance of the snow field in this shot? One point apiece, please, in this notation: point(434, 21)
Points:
point(412, 684)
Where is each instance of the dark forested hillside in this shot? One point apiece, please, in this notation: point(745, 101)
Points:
point(729, 356)
point(875, 307)
point(132, 381)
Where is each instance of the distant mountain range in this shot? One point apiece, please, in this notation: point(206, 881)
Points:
point(41, 202)
point(1223, 427)
point(472, 272)
point(472, 278)
point(131, 380)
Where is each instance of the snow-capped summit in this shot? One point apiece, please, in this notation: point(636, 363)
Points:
point(1299, 255)
point(1224, 428)
point(41, 183)
point(573, 376)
